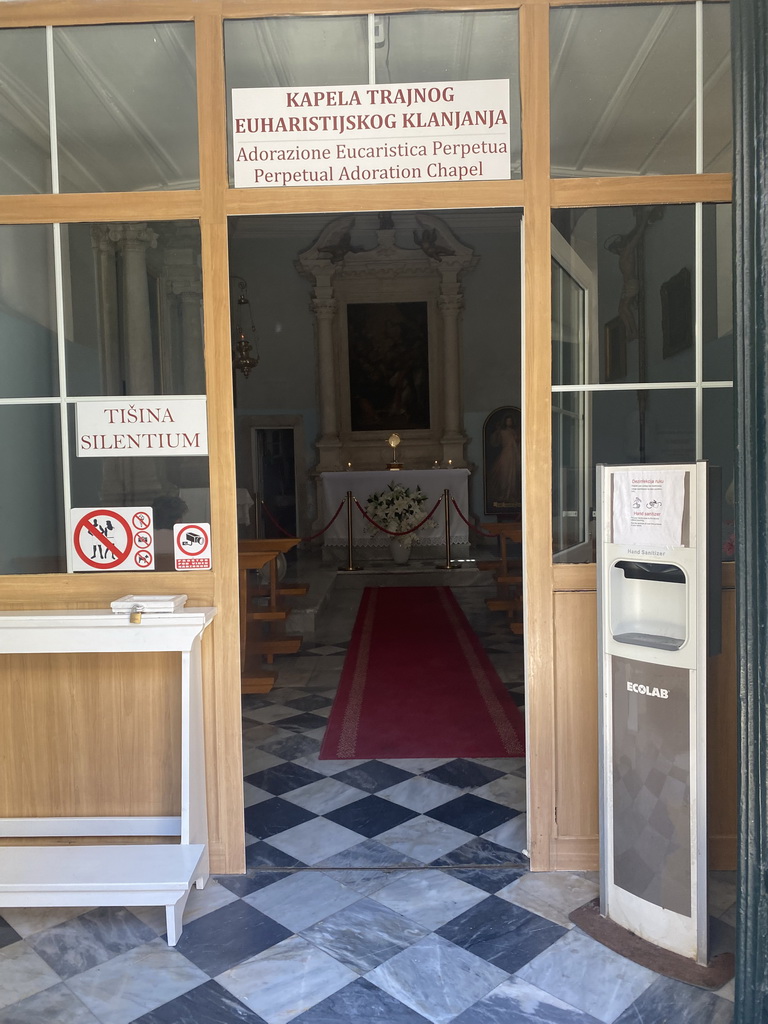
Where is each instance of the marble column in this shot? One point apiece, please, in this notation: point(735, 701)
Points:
point(453, 438)
point(329, 444)
point(104, 249)
point(135, 481)
point(134, 240)
point(183, 274)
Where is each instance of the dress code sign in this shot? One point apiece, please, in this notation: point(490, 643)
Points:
point(112, 538)
point(434, 131)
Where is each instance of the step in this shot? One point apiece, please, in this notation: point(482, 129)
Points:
point(284, 590)
point(257, 679)
point(502, 604)
point(488, 566)
point(74, 876)
point(277, 645)
point(268, 615)
point(509, 580)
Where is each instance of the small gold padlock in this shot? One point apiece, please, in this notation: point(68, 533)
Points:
point(136, 614)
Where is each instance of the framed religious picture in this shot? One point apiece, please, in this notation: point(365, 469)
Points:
point(388, 353)
point(502, 462)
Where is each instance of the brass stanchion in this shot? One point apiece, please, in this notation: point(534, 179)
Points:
point(350, 566)
point(447, 519)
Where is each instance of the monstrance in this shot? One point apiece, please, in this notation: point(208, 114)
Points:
point(393, 441)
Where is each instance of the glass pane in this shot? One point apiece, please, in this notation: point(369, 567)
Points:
point(178, 489)
point(620, 427)
point(623, 90)
point(24, 134)
point(637, 269)
point(28, 357)
point(718, 113)
point(719, 450)
point(453, 47)
point(297, 52)
point(31, 505)
point(126, 107)
point(133, 309)
point(568, 327)
point(717, 293)
point(570, 508)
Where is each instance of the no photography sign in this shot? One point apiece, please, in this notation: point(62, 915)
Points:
point(192, 546)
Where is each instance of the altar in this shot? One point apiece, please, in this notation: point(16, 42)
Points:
point(363, 483)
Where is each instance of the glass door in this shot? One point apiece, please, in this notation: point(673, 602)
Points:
point(572, 339)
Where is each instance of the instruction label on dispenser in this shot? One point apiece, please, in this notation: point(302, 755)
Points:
point(648, 507)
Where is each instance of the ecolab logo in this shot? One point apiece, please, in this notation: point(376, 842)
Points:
point(648, 691)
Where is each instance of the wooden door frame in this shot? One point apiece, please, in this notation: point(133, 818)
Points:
point(536, 194)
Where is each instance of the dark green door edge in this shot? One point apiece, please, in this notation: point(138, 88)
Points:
point(749, 22)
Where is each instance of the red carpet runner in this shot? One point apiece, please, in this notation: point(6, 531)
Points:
point(417, 683)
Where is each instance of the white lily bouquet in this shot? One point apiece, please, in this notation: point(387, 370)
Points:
point(397, 508)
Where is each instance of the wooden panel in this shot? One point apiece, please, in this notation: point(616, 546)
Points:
point(275, 8)
point(342, 198)
point(537, 444)
point(97, 590)
point(80, 12)
point(223, 738)
point(722, 744)
point(576, 702)
point(671, 188)
point(89, 734)
point(101, 206)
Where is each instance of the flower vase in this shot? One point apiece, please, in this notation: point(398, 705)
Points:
point(400, 550)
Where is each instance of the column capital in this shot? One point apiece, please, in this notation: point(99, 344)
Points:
point(133, 236)
point(450, 304)
point(325, 309)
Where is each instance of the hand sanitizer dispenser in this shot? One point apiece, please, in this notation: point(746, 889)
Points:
point(652, 593)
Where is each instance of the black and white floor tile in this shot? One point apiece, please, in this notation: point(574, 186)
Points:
point(392, 891)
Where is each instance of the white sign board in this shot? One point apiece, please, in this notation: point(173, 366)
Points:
point(141, 426)
point(112, 538)
point(648, 507)
point(425, 131)
point(192, 546)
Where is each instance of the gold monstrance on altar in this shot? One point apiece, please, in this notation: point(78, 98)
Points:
point(393, 441)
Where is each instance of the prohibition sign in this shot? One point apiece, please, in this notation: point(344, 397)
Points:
point(140, 520)
point(143, 559)
point(88, 527)
point(192, 540)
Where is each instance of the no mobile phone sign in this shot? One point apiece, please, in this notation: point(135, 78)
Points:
point(192, 546)
point(112, 538)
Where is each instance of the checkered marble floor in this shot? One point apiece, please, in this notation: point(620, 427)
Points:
point(391, 891)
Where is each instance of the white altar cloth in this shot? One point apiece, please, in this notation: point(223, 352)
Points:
point(363, 483)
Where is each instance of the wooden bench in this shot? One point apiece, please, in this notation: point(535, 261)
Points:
point(262, 628)
point(507, 574)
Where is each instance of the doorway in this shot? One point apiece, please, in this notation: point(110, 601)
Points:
point(274, 481)
point(454, 276)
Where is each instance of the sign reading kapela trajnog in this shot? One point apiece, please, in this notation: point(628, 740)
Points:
point(433, 131)
point(141, 426)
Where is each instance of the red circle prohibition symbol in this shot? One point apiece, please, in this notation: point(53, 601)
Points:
point(142, 540)
point(180, 536)
point(140, 520)
point(143, 558)
point(85, 524)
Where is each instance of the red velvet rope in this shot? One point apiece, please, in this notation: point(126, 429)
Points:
point(397, 533)
point(313, 536)
point(470, 525)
